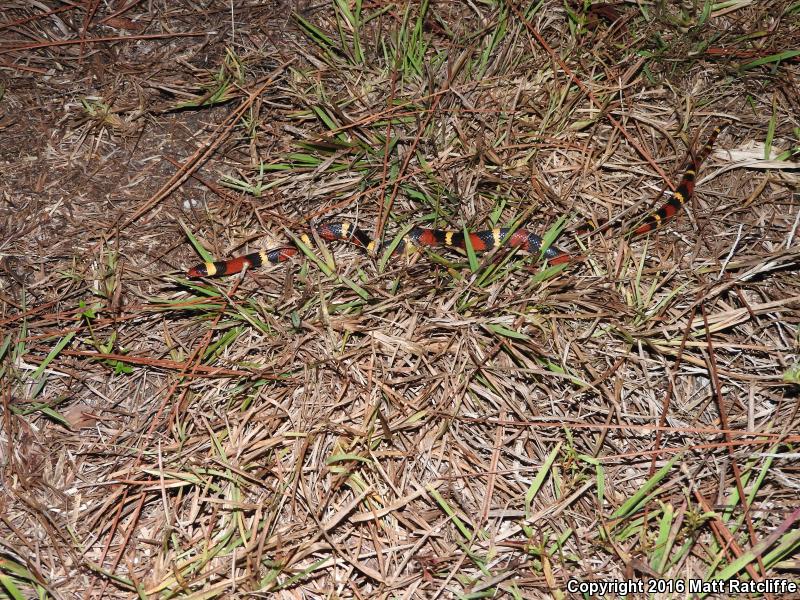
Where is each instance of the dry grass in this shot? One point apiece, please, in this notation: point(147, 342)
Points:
point(343, 426)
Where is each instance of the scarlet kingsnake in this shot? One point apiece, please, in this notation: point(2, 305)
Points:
point(685, 189)
point(481, 241)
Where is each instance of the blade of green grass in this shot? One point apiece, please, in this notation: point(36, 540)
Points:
point(460, 525)
point(505, 331)
point(551, 234)
point(354, 20)
point(773, 119)
point(772, 58)
point(329, 122)
point(635, 501)
point(474, 265)
point(387, 254)
point(198, 247)
point(316, 34)
point(51, 356)
point(5, 345)
point(539, 479)
point(788, 543)
point(7, 583)
point(328, 270)
point(658, 558)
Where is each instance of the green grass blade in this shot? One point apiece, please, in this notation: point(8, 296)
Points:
point(462, 528)
point(361, 292)
point(305, 249)
point(635, 501)
point(53, 353)
point(198, 247)
point(315, 33)
point(506, 332)
point(770, 131)
point(548, 272)
point(551, 234)
point(387, 254)
point(772, 58)
point(7, 583)
point(658, 558)
point(4, 346)
point(788, 543)
point(474, 265)
point(541, 475)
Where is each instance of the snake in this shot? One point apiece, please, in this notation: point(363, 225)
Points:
point(479, 241)
point(684, 190)
point(418, 237)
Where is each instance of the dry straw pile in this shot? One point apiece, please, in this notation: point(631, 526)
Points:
point(441, 425)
